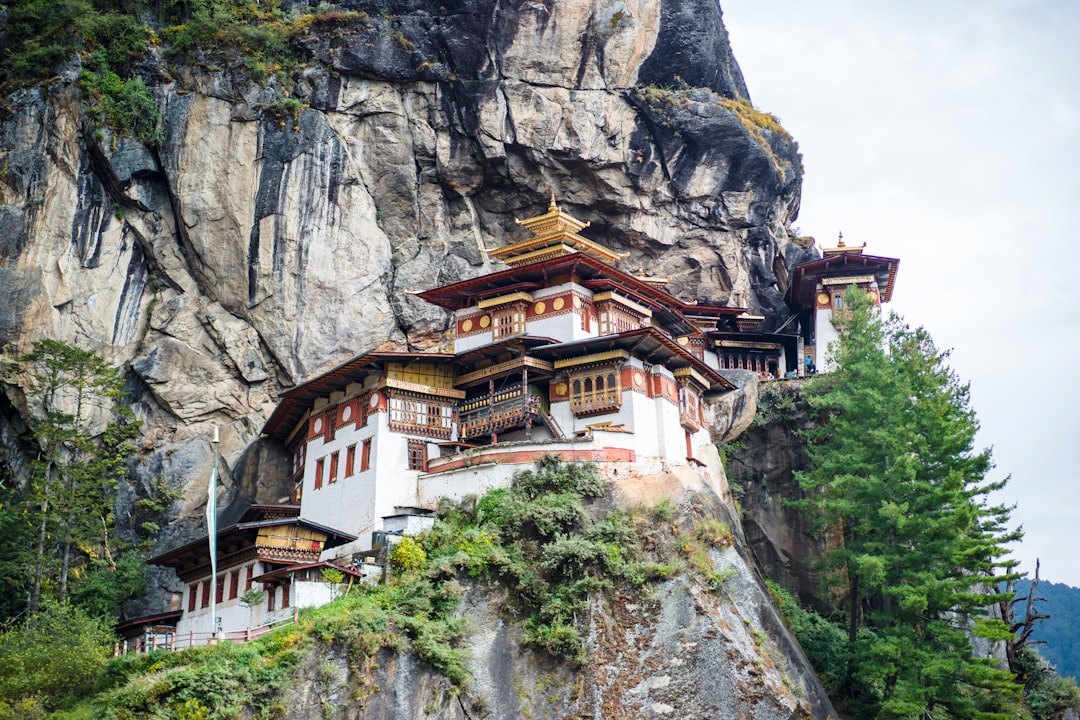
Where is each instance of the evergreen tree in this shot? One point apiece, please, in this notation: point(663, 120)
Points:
point(898, 487)
point(82, 434)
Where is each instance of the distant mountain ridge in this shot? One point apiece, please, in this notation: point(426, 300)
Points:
point(1061, 631)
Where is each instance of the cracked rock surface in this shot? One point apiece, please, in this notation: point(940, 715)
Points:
point(249, 251)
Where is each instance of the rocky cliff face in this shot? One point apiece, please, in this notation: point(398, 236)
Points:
point(252, 249)
point(761, 464)
point(683, 651)
point(260, 243)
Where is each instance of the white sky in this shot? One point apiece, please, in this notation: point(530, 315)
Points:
point(947, 134)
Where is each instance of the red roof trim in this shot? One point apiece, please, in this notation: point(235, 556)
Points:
point(456, 295)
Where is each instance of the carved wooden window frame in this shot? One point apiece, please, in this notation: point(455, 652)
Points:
point(595, 391)
point(418, 455)
point(508, 320)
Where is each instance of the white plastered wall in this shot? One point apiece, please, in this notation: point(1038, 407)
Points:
point(825, 335)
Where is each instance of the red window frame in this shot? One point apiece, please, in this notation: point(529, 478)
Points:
point(365, 456)
point(350, 460)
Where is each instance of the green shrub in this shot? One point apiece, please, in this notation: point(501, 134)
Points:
point(407, 556)
point(54, 661)
point(127, 105)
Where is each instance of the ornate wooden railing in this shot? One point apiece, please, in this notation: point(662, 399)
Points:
point(506, 412)
point(597, 402)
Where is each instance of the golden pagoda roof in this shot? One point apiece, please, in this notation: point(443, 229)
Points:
point(842, 248)
point(555, 233)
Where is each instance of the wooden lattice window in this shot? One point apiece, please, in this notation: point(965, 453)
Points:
point(596, 391)
point(689, 408)
point(418, 455)
point(219, 595)
point(614, 319)
point(206, 594)
point(234, 584)
point(192, 597)
point(508, 320)
point(417, 416)
point(333, 468)
point(320, 465)
point(299, 457)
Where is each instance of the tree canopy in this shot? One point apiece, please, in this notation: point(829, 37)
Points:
point(917, 547)
point(60, 519)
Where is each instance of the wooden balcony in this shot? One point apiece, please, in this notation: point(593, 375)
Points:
point(597, 403)
point(493, 417)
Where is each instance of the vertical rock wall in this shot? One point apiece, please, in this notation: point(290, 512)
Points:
point(256, 246)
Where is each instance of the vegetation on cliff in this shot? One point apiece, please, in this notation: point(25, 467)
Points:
point(543, 544)
point(59, 523)
point(918, 551)
point(120, 53)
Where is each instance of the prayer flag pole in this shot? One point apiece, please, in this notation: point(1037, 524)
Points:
point(211, 531)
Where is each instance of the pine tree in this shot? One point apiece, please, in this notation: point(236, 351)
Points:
point(898, 487)
point(82, 433)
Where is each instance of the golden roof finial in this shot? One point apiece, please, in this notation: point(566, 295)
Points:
point(840, 240)
point(552, 207)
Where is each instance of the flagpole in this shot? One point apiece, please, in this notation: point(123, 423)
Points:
point(211, 533)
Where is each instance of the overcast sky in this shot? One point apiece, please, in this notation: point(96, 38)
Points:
point(947, 134)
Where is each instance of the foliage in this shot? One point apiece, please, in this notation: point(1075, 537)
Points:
point(82, 431)
point(714, 533)
point(127, 105)
point(104, 587)
point(537, 538)
point(407, 555)
point(214, 682)
point(46, 665)
point(824, 642)
point(1048, 695)
point(896, 481)
point(252, 37)
point(252, 597)
point(39, 35)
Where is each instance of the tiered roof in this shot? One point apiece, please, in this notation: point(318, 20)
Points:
point(240, 539)
point(554, 234)
point(842, 262)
